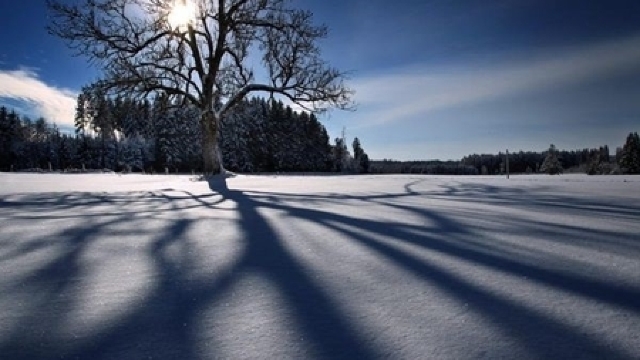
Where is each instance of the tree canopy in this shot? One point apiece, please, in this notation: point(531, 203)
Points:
point(225, 50)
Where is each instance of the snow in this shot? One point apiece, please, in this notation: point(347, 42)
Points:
point(104, 266)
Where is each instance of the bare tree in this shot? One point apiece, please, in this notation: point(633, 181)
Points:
point(199, 51)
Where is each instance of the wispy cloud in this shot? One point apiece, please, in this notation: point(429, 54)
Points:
point(408, 93)
point(54, 104)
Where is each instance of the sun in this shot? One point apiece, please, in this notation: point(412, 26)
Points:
point(182, 14)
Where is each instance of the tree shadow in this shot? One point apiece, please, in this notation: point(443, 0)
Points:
point(45, 301)
point(162, 322)
point(161, 325)
point(533, 329)
point(317, 317)
point(536, 198)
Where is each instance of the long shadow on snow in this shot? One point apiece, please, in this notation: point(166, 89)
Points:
point(161, 326)
point(317, 316)
point(498, 195)
point(153, 329)
point(540, 333)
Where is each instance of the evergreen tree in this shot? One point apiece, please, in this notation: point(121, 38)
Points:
point(630, 155)
point(340, 155)
point(99, 125)
point(551, 165)
point(364, 163)
point(130, 118)
point(360, 157)
point(64, 152)
point(236, 138)
point(7, 137)
point(188, 138)
point(258, 132)
point(132, 150)
point(357, 149)
point(164, 133)
point(82, 117)
point(20, 139)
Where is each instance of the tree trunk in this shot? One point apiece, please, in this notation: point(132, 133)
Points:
point(211, 155)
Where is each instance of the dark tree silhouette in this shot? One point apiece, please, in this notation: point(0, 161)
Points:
point(198, 51)
point(630, 154)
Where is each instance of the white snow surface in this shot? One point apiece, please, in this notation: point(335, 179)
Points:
point(104, 266)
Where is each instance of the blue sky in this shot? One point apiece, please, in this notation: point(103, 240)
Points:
point(433, 79)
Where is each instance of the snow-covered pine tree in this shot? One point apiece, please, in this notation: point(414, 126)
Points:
point(132, 149)
point(81, 119)
point(235, 138)
point(340, 153)
point(130, 119)
point(188, 142)
point(551, 164)
point(258, 145)
point(164, 122)
point(65, 154)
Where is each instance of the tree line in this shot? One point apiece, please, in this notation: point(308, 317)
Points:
point(158, 135)
point(259, 135)
point(431, 167)
point(553, 161)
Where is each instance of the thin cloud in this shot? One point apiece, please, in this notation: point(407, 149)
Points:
point(54, 104)
point(408, 93)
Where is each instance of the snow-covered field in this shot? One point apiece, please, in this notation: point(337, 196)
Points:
point(272, 267)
